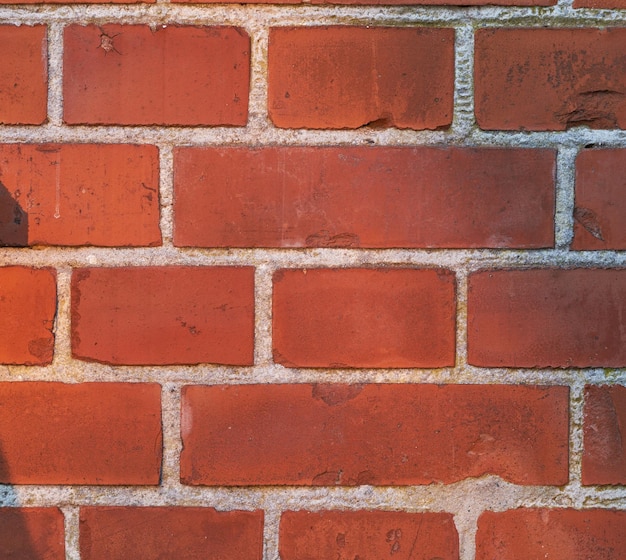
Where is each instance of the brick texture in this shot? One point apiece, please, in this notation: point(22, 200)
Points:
point(332, 197)
point(364, 318)
point(129, 74)
point(79, 194)
point(23, 74)
point(362, 70)
point(145, 533)
point(364, 534)
point(89, 433)
point(600, 200)
point(559, 534)
point(577, 74)
point(604, 459)
point(163, 315)
point(547, 318)
point(32, 533)
point(346, 435)
point(27, 299)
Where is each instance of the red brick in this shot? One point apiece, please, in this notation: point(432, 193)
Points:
point(332, 197)
point(23, 74)
point(607, 4)
point(600, 200)
point(32, 533)
point(547, 318)
point(557, 534)
point(120, 533)
point(89, 433)
point(129, 74)
point(348, 77)
point(550, 79)
point(604, 458)
point(27, 311)
point(163, 315)
point(79, 194)
point(367, 534)
point(328, 435)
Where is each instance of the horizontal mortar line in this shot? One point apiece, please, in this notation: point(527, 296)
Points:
point(466, 259)
point(270, 136)
point(433, 497)
point(77, 371)
point(236, 14)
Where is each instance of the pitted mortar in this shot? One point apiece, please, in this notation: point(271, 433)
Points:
point(466, 499)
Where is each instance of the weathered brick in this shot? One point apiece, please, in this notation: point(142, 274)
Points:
point(547, 318)
point(163, 315)
point(364, 318)
point(600, 200)
point(604, 458)
point(550, 79)
point(328, 435)
point(31, 533)
point(348, 77)
point(79, 194)
point(367, 534)
point(23, 74)
point(193, 533)
point(558, 534)
point(88, 433)
point(333, 197)
point(129, 74)
point(27, 312)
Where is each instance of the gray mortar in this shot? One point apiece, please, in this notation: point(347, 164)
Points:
point(466, 499)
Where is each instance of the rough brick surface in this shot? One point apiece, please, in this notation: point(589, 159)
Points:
point(129, 74)
point(550, 79)
point(558, 534)
point(328, 435)
point(606, 4)
point(348, 77)
point(145, 533)
point(79, 194)
point(604, 458)
point(600, 200)
point(23, 74)
point(332, 197)
point(364, 318)
point(163, 315)
point(27, 311)
point(90, 433)
point(32, 533)
point(367, 534)
point(547, 318)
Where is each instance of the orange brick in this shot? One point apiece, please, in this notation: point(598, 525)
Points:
point(129, 74)
point(332, 197)
point(382, 435)
point(367, 534)
point(23, 74)
point(163, 315)
point(120, 533)
point(348, 77)
point(79, 194)
point(27, 312)
point(89, 433)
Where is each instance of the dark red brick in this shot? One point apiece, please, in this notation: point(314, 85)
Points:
point(329, 435)
point(332, 197)
point(32, 533)
point(547, 318)
point(550, 79)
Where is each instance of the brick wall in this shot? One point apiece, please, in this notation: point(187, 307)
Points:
point(313, 281)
